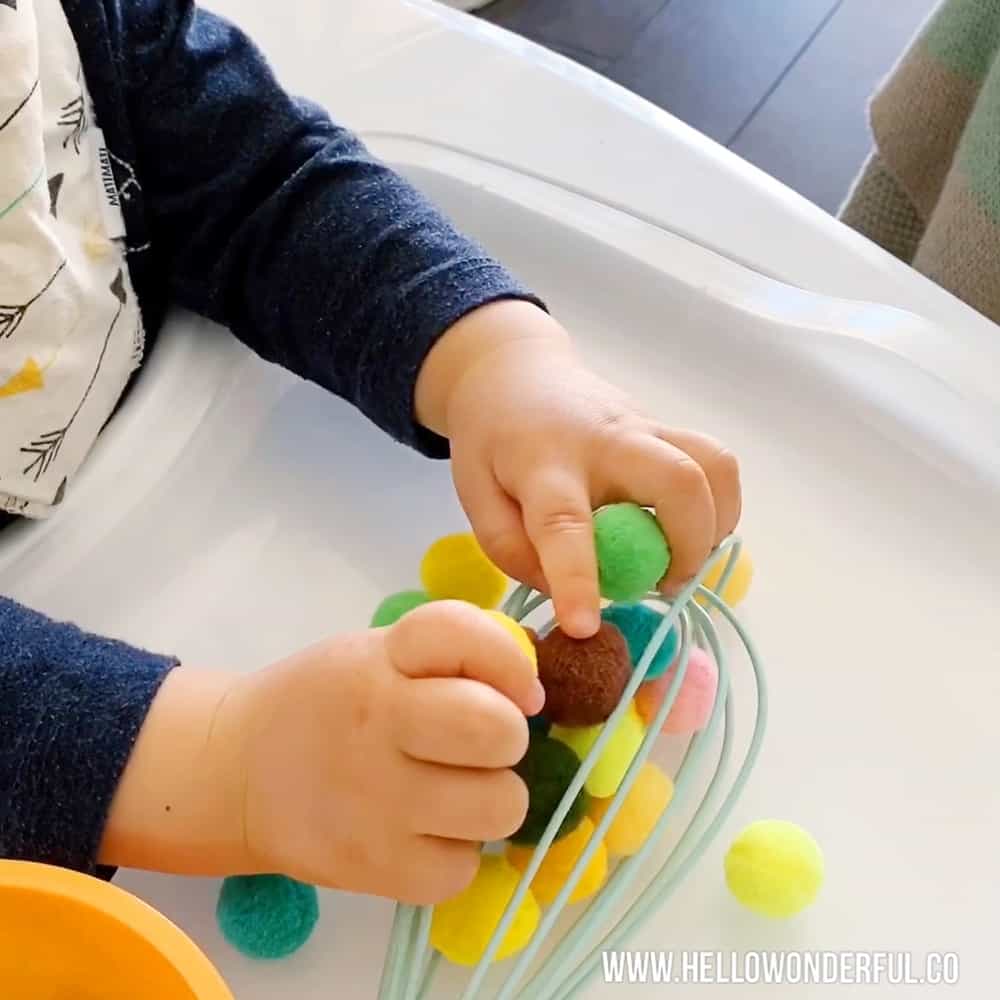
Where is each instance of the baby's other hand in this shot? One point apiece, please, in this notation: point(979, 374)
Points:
point(539, 441)
point(379, 762)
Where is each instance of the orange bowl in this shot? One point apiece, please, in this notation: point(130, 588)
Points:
point(67, 936)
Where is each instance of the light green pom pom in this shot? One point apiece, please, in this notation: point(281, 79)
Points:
point(396, 605)
point(632, 554)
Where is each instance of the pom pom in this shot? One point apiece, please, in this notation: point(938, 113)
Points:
point(266, 916)
point(396, 605)
point(619, 751)
point(547, 769)
point(632, 554)
point(456, 568)
point(520, 636)
point(461, 927)
point(640, 811)
point(774, 868)
point(539, 724)
point(584, 679)
point(695, 700)
point(739, 581)
point(638, 623)
point(558, 863)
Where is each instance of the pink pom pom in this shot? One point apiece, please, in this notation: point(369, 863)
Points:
point(693, 705)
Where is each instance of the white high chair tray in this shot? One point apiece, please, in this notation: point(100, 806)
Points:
point(233, 514)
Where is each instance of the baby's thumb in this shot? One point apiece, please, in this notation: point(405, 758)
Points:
point(454, 639)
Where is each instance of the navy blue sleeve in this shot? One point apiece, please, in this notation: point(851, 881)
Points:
point(276, 222)
point(71, 707)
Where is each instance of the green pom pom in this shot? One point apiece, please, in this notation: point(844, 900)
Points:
point(632, 554)
point(266, 916)
point(396, 605)
point(547, 769)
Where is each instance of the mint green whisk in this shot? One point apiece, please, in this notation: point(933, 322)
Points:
point(411, 967)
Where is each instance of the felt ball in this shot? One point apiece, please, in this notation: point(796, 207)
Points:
point(539, 724)
point(695, 700)
point(461, 927)
point(619, 752)
point(396, 605)
point(584, 679)
point(737, 586)
point(632, 554)
point(638, 624)
point(558, 864)
point(639, 812)
point(547, 768)
point(266, 916)
point(520, 636)
point(774, 868)
point(456, 568)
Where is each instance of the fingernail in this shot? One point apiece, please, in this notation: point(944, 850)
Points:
point(585, 623)
point(537, 700)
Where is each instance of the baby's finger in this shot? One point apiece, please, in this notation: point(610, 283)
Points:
point(454, 639)
point(497, 522)
point(460, 804)
point(436, 870)
point(722, 471)
point(559, 521)
point(652, 472)
point(461, 723)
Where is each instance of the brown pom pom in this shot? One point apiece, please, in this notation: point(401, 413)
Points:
point(583, 679)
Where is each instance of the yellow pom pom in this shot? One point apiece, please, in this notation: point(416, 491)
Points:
point(644, 804)
point(619, 751)
point(774, 868)
point(461, 927)
point(456, 568)
point(739, 580)
point(558, 863)
point(527, 646)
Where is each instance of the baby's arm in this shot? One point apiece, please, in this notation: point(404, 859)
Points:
point(71, 705)
point(268, 217)
point(374, 762)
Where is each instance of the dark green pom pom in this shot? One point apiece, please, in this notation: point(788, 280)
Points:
point(266, 916)
point(632, 554)
point(547, 769)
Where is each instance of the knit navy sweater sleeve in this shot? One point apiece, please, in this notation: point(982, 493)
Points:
point(254, 209)
point(257, 210)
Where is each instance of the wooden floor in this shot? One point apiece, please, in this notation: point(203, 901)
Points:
point(783, 83)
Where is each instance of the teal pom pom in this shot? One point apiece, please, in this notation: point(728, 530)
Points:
point(539, 724)
point(638, 623)
point(396, 605)
point(547, 769)
point(266, 916)
point(632, 554)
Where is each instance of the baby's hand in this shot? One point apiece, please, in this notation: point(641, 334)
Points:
point(378, 762)
point(538, 442)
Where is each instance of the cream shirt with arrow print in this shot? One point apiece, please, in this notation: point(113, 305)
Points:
point(70, 328)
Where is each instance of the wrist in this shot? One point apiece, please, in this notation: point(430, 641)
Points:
point(180, 805)
point(475, 343)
